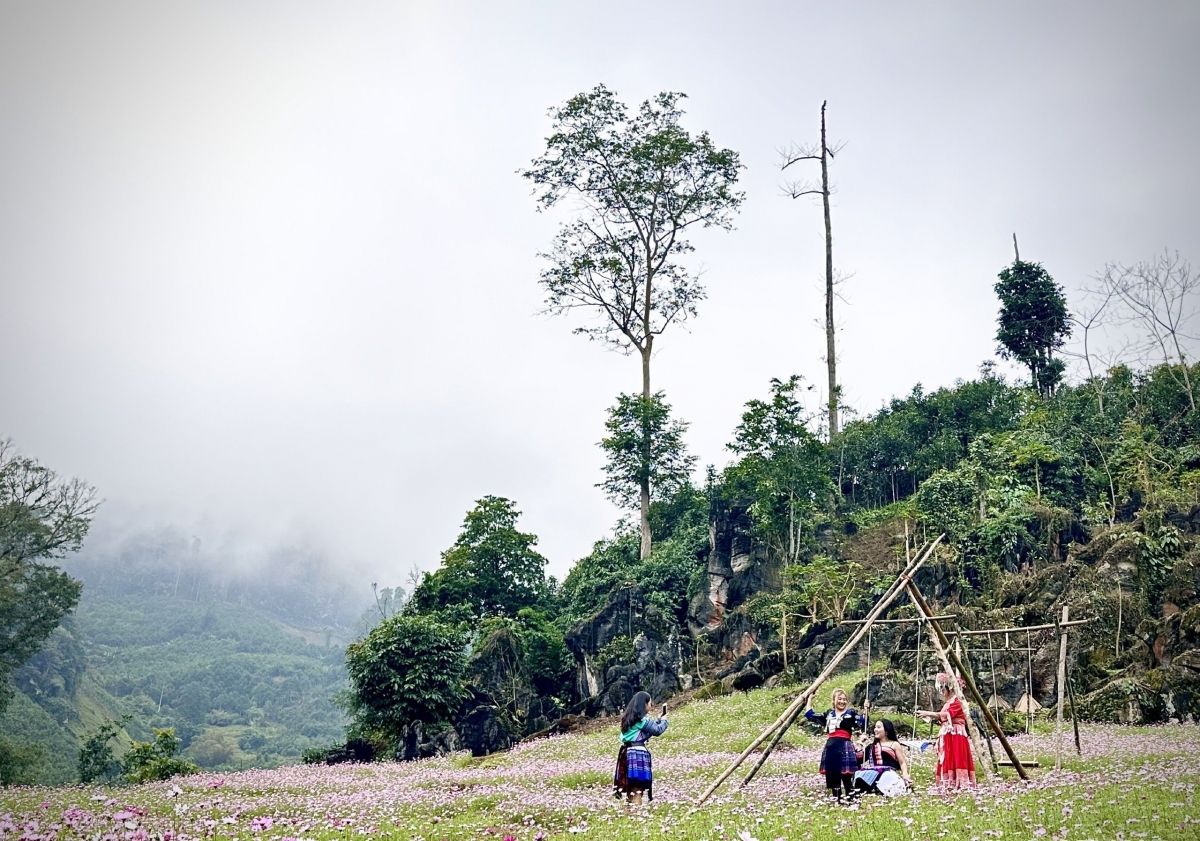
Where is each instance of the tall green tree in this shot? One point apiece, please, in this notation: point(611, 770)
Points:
point(642, 182)
point(783, 467)
point(491, 570)
point(42, 517)
point(645, 451)
point(1033, 322)
point(409, 668)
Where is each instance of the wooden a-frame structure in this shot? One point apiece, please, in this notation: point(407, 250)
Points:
point(945, 652)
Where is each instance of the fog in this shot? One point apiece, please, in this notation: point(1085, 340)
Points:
point(267, 269)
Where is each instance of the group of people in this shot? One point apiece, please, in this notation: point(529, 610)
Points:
point(877, 762)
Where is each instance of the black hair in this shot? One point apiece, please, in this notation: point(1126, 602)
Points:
point(889, 729)
point(635, 710)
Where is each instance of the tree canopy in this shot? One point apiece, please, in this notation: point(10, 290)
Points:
point(1033, 322)
point(643, 181)
point(491, 570)
point(42, 516)
point(409, 668)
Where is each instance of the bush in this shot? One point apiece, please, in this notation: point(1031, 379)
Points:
point(156, 760)
point(212, 749)
point(409, 668)
point(96, 760)
point(19, 764)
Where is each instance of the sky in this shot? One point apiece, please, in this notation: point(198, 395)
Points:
point(268, 270)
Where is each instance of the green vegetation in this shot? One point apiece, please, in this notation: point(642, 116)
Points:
point(491, 570)
point(156, 760)
point(1127, 781)
point(409, 668)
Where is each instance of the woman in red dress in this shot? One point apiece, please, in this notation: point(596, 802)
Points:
point(955, 765)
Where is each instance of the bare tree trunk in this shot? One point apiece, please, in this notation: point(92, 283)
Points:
point(644, 490)
point(830, 350)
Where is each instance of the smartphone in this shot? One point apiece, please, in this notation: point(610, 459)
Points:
point(664, 709)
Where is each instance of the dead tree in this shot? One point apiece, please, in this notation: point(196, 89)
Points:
point(824, 153)
point(1159, 295)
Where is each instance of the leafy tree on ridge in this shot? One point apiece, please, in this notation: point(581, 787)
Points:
point(642, 182)
point(1034, 322)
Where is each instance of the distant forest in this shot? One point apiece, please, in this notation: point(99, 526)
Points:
point(244, 664)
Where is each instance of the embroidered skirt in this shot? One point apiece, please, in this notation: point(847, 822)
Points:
point(955, 765)
point(838, 757)
point(634, 771)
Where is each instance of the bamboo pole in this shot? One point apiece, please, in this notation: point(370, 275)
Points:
point(923, 606)
point(1074, 717)
point(1052, 626)
point(788, 715)
point(896, 621)
point(1062, 680)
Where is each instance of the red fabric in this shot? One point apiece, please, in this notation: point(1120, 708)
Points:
point(955, 765)
point(840, 734)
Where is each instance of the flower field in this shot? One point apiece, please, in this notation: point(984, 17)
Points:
point(1130, 783)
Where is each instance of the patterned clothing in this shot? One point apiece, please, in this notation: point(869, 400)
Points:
point(879, 760)
point(955, 765)
point(634, 764)
point(878, 755)
point(839, 760)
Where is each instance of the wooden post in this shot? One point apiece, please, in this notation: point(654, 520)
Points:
point(1062, 686)
point(923, 606)
point(783, 636)
point(789, 715)
point(1074, 716)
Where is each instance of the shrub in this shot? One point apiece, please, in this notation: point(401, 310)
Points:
point(20, 764)
point(156, 760)
point(96, 760)
point(212, 749)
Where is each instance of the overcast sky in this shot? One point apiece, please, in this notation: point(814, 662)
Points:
point(267, 267)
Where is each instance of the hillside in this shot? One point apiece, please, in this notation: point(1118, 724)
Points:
point(240, 686)
point(560, 787)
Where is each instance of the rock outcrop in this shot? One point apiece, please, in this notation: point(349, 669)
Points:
point(626, 647)
point(738, 568)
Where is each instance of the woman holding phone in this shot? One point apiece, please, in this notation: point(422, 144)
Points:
point(634, 775)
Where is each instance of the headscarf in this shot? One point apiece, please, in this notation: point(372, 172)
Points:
point(944, 679)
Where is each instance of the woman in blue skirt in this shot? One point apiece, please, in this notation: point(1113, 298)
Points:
point(634, 774)
point(839, 760)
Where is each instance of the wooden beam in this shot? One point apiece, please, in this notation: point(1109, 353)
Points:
point(793, 709)
point(896, 621)
point(1015, 629)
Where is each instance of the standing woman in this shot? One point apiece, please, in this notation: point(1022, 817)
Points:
point(839, 760)
point(955, 765)
point(634, 774)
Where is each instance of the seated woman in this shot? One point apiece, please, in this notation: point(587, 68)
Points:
point(884, 763)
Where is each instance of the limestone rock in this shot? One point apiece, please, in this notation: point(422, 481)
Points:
point(482, 731)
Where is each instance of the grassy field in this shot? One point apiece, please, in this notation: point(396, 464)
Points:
point(1130, 783)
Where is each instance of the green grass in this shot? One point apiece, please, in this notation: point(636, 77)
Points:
point(1129, 781)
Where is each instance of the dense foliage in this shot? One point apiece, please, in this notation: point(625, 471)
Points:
point(1034, 322)
point(409, 668)
point(491, 570)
